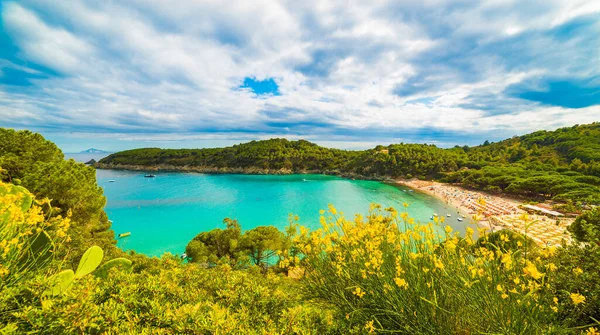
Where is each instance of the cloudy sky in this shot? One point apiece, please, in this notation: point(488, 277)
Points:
point(123, 74)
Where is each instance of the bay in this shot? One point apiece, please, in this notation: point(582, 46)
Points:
point(164, 213)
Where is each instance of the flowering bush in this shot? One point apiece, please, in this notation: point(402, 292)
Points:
point(388, 273)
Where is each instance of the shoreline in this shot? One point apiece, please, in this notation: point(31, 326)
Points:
point(443, 192)
point(246, 171)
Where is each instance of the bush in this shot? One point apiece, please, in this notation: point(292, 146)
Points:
point(586, 227)
point(382, 273)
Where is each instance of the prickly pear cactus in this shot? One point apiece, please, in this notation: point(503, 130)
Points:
point(60, 282)
point(123, 263)
point(90, 261)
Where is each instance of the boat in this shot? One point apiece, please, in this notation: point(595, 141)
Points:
point(448, 215)
point(435, 214)
point(459, 219)
point(111, 181)
point(431, 218)
point(149, 176)
point(125, 234)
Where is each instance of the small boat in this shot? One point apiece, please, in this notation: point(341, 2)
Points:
point(125, 234)
point(149, 176)
point(431, 218)
point(435, 214)
point(448, 215)
point(110, 221)
point(459, 219)
point(111, 181)
point(410, 190)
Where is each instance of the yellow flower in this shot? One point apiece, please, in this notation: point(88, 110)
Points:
point(401, 283)
point(551, 267)
point(554, 309)
point(448, 229)
point(504, 295)
point(592, 331)
point(499, 288)
point(438, 264)
point(577, 271)
point(555, 300)
point(358, 292)
point(532, 271)
point(369, 327)
point(577, 298)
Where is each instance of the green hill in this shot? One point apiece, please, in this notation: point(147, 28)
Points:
point(563, 164)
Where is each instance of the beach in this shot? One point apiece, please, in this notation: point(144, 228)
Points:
point(495, 212)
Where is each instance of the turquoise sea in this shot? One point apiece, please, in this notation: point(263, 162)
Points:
point(164, 213)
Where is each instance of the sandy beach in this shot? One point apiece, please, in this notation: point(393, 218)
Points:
point(495, 212)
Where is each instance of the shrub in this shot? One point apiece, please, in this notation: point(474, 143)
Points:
point(390, 274)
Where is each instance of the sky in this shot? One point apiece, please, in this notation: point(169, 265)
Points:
point(123, 74)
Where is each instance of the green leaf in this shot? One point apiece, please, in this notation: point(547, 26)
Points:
point(60, 282)
point(123, 263)
point(90, 261)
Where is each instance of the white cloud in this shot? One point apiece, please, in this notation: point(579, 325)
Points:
point(137, 66)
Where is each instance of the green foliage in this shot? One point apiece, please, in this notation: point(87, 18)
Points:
point(578, 271)
point(217, 245)
point(39, 165)
point(230, 246)
point(505, 240)
point(586, 227)
point(174, 298)
point(273, 154)
point(262, 243)
point(122, 263)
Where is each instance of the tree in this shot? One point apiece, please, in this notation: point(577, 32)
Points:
point(586, 227)
point(262, 243)
point(217, 245)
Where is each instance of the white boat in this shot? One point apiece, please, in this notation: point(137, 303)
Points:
point(435, 214)
point(111, 181)
point(459, 219)
point(448, 215)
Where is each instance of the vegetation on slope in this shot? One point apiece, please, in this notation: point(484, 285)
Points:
point(37, 164)
point(378, 274)
point(562, 164)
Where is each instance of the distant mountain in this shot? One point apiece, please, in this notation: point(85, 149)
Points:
point(93, 151)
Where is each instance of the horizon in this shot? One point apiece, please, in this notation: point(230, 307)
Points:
point(125, 75)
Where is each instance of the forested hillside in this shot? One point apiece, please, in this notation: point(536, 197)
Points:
point(28, 159)
point(563, 164)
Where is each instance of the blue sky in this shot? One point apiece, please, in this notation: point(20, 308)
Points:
point(124, 74)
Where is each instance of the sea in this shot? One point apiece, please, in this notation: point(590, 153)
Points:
point(162, 214)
